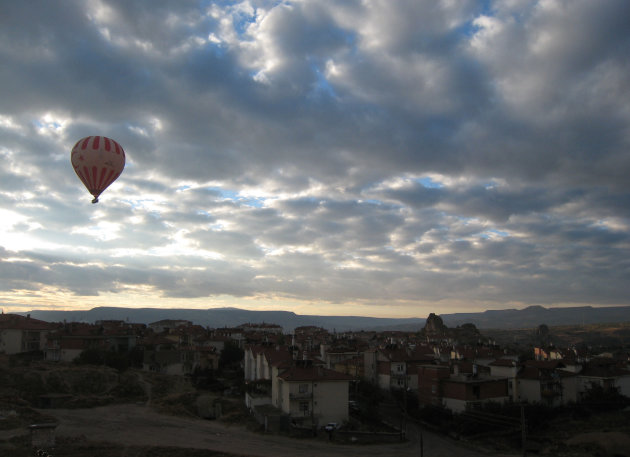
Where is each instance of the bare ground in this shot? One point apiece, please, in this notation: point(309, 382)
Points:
point(133, 427)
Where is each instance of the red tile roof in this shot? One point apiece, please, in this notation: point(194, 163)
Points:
point(17, 322)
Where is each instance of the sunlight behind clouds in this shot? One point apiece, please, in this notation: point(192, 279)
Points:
point(101, 231)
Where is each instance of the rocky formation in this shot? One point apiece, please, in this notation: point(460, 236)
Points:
point(434, 327)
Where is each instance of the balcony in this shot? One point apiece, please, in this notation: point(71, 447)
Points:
point(301, 396)
point(550, 393)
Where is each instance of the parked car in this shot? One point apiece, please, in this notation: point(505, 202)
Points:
point(331, 426)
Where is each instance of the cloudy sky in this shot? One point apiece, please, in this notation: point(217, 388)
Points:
point(377, 158)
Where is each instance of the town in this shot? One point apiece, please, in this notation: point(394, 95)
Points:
point(312, 380)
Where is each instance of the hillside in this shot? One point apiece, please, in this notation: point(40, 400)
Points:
point(529, 317)
point(595, 336)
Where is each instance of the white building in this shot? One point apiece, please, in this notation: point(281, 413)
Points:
point(311, 395)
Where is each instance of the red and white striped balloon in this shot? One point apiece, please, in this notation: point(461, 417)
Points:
point(97, 161)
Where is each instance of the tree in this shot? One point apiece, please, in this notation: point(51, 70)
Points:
point(542, 332)
point(230, 355)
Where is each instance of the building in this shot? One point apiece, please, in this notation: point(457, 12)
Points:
point(69, 340)
point(546, 382)
point(393, 367)
point(459, 392)
point(165, 325)
point(507, 368)
point(430, 383)
point(22, 334)
point(311, 395)
point(605, 373)
point(462, 392)
point(258, 360)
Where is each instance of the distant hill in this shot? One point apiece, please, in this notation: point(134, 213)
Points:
point(225, 317)
point(231, 317)
point(533, 316)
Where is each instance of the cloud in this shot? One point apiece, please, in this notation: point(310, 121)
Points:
point(377, 157)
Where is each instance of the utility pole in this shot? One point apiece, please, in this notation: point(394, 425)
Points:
point(404, 431)
point(523, 432)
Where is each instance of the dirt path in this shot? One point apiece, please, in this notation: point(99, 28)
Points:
point(136, 425)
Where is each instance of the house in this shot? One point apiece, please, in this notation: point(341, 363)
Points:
point(507, 368)
point(393, 367)
point(236, 335)
point(165, 325)
point(546, 382)
point(121, 336)
point(163, 356)
point(333, 354)
point(458, 391)
point(430, 378)
point(58, 350)
point(462, 392)
point(258, 367)
point(352, 367)
point(261, 328)
point(311, 395)
point(216, 342)
point(205, 358)
point(185, 335)
point(22, 334)
point(541, 353)
point(258, 360)
point(606, 373)
point(172, 361)
point(68, 342)
point(309, 338)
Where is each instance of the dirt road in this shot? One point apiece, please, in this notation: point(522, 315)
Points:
point(135, 425)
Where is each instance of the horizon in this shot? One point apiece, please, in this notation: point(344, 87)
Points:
point(319, 315)
point(384, 159)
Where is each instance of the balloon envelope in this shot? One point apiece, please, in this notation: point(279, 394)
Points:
point(97, 161)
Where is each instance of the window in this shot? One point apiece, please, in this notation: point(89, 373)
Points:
point(304, 407)
point(476, 392)
point(303, 388)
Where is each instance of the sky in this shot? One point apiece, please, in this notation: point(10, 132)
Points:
point(377, 158)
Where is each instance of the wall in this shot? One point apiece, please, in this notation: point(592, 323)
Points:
point(624, 385)
point(529, 390)
point(510, 373)
point(68, 355)
point(251, 401)
point(331, 398)
point(455, 405)
point(369, 366)
point(570, 389)
point(10, 341)
point(429, 390)
point(249, 365)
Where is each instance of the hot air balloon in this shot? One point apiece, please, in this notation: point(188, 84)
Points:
point(97, 161)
